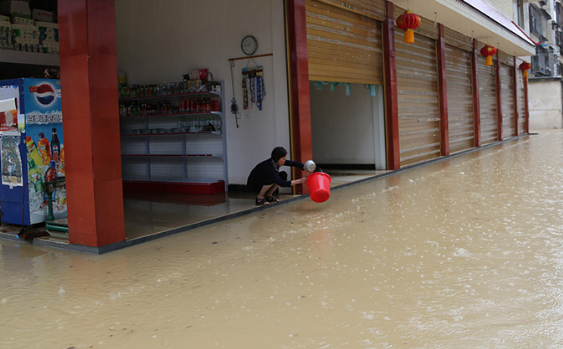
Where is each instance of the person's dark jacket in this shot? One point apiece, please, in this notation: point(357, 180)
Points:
point(266, 172)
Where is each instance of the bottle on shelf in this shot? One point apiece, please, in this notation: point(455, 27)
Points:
point(35, 177)
point(44, 148)
point(62, 161)
point(208, 106)
point(32, 152)
point(55, 147)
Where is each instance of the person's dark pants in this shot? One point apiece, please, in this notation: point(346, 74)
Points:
point(255, 187)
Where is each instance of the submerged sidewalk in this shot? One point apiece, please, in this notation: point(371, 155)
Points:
point(149, 216)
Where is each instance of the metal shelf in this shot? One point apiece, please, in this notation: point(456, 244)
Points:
point(188, 181)
point(172, 155)
point(172, 134)
point(187, 94)
point(183, 161)
point(173, 115)
point(23, 57)
point(193, 186)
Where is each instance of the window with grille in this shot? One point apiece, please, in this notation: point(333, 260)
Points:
point(543, 62)
point(536, 21)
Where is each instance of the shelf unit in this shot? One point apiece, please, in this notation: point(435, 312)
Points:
point(22, 57)
point(176, 150)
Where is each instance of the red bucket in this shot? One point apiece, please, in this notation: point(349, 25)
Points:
point(319, 186)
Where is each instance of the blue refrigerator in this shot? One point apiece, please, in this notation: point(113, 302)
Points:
point(31, 142)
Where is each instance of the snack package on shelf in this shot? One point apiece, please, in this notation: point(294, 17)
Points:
point(25, 31)
point(43, 16)
point(22, 20)
point(19, 8)
point(26, 38)
point(6, 35)
point(48, 31)
point(49, 36)
point(50, 47)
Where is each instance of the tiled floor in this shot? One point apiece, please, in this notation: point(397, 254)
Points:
point(152, 213)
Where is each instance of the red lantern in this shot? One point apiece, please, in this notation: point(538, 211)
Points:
point(408, 21)
point(525, 66)
point(488, 51)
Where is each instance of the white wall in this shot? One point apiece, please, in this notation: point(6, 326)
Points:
point(160, 40)
point(343, 126)
point(504, 5)
point(545, 105)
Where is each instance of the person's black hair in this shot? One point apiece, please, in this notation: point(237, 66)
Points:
point(278, 153)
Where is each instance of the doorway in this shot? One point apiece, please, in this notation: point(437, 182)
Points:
point(348, 128)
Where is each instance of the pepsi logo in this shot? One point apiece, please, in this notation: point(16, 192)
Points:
point(44, 93)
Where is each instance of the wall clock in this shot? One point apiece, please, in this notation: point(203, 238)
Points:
point(249, 45)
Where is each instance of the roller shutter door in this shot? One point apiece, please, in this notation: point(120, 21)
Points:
point(343, 46)
point(460, 99)
point(419, 120)
point(370, 8)
point(488, 101)
point(507, 100)
point(521, 103)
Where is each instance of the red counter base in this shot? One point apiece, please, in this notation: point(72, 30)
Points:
point(186, 188)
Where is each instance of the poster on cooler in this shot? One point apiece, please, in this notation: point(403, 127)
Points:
point(11, 161)
point(8, 109)
point(44, 144)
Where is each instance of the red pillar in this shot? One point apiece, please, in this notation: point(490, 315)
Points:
point(300, 102)
point(499, 105)
point(476, 101)
point(391, 100)
point(515, 85)
point(443, 94)
point(91, 121)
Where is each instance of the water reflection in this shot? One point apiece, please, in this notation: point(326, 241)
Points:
point(463, 253)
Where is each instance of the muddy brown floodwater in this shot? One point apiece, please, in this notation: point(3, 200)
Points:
point(462, 253)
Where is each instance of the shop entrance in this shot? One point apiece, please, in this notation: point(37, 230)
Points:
point(348, 129)
point(346, 92)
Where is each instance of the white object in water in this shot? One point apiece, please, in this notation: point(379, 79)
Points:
point(309, 166)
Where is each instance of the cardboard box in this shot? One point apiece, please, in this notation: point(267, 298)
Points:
point(16, 8)
point(43, 16)
point(50, 47)
point(6, 36)
point(25, 31)
point(22, 20)
point(48, 31)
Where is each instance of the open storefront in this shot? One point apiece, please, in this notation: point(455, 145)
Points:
point(173, 98)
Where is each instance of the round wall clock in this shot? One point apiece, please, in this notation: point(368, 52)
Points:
point(249, 45)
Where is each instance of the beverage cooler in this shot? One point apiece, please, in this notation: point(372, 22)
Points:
point(31, 141)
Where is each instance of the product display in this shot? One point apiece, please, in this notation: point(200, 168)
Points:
point(173, 139)
point(24, 31)
point(48, 36)
point(253, 87)
point(38, 150)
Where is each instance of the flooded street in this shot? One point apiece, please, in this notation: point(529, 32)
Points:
point(462, 253)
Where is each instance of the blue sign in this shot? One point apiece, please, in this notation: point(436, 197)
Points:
point(43, 103)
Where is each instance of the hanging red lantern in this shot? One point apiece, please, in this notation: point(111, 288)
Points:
point(525, 66)
point(488, 51)
point(408, 21)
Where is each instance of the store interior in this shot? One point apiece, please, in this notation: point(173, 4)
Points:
point(157, 151)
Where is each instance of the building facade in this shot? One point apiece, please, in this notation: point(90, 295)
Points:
point(542, 20)
point(341, 84)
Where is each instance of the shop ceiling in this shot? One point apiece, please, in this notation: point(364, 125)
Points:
point(476, 19)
